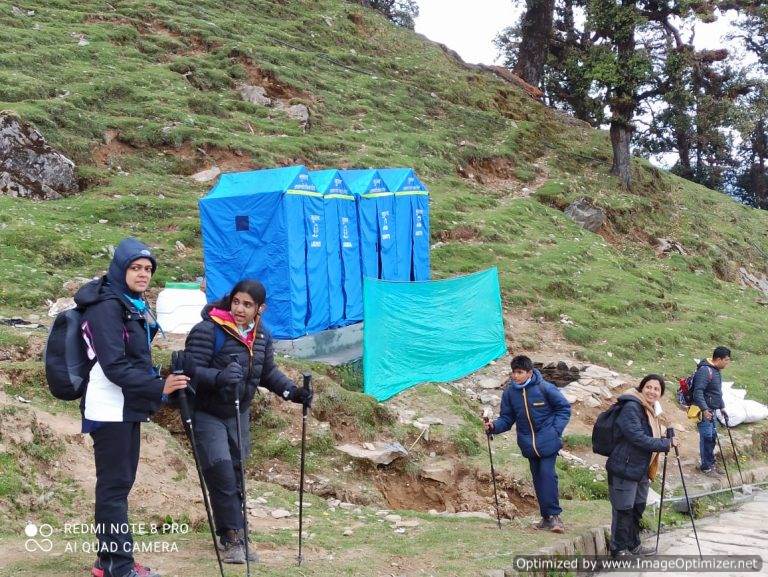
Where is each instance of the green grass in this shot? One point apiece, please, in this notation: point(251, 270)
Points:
point(163, 73)
point(580, 483)
point(577, 441)
point(443, 546)
point(11, 479)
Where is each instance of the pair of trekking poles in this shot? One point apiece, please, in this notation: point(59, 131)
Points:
point(177, 367)
point(670, 435)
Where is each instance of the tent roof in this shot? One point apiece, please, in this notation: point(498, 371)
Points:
point(269, 180)
point(327, 180)
point(398, 179)
point(364, 181)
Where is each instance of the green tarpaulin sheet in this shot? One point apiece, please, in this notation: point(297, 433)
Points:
point(434, 331)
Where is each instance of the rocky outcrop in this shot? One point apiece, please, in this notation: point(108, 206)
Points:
point(584, 214)
point(29, 167)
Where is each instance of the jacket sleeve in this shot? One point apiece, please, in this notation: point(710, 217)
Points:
point(199, 344)
point(631, 426)
point(507, 415)
point(107, 329)
point(560, 407)
point(272, 377)
point(700, 382)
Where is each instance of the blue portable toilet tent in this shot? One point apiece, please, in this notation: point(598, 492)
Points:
point(269, 225)
point(376, 213)
point(412, 225)
point(343, 248)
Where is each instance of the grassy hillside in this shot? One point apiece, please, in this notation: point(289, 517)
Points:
point(160, 78)
point(143, 94)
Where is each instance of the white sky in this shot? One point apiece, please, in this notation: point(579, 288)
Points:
point(469, 26)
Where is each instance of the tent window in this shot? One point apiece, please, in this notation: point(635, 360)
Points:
point(241, 223)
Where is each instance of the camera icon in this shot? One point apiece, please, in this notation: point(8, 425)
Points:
point(44, 544)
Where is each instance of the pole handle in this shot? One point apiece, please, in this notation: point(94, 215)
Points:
point(177, 368)
point(487, 432)
point(306, 384)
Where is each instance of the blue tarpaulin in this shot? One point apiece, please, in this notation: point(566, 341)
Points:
point(429, 331)
point(412, 222)
point(343, 248)
point(376, 213)
point(260, 224)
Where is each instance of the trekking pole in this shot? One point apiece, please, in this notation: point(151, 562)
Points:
point(234, 359)
point(725, 465)
point(671, 433)
point(177, 368)
point(663, 483)
point(735, 453)
point(489, 436)
point(307, 384)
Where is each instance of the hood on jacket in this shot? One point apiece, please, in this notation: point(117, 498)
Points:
point(535, 379)
point(635, 395)
point(129, 250)
point(94, 291)
point(706, 363)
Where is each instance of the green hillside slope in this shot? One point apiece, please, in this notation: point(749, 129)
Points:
point(158, 79)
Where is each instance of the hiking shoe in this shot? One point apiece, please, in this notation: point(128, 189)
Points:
point(713, 472)
point(233, 553)
point(544, 525)
point(621, 553)
point(142, 572)
point(557, 524)
point(138, 570)
point(643, 551)
point(253, 555)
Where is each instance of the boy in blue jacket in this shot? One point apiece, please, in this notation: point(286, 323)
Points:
point(541, 413)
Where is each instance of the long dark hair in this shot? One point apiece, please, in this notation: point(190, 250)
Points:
point(647, 378)
point(251, 287)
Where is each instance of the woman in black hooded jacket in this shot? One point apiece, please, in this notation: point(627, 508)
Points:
point(233, 354)
point(123, 390)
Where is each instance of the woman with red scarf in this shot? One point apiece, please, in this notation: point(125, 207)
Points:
point(233, 354)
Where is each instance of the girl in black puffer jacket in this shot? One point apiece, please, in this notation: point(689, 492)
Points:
point(233, 354)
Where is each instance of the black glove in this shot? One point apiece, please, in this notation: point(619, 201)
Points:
point(229, 381)
point(302, 396)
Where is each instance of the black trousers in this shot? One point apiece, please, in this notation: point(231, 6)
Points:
point(116, 452)
point(220, 460)
point(628, 499)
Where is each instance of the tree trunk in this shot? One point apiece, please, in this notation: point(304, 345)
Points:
point(621, 136)
point(623, 104)
point(536, 31)
point(684, 152)
point(759, 176)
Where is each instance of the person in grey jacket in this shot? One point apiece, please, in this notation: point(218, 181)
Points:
point(233, 355)
point(708, 397)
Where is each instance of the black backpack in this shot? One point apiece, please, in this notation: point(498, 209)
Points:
point(605, 433)
point(67, 366)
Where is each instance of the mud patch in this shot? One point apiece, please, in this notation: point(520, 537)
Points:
point(166, 481)
point(470, 491)
point(110, 153)
point(194, 158)
point(460, 233)
point(267, 79)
